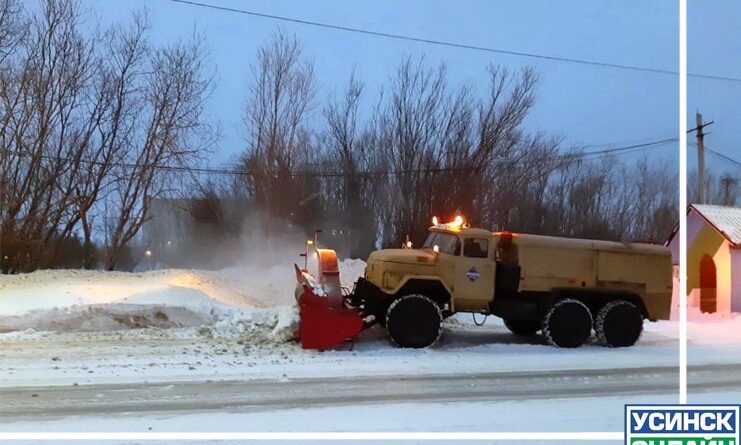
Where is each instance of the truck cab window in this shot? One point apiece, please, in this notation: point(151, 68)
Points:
point(445, 242)
point(476, 247)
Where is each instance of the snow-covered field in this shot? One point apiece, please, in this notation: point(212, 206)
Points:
point(69, 329)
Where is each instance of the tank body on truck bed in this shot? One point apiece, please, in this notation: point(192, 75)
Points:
point(597, 268)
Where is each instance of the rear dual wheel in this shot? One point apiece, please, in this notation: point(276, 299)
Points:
point(567, 324)
point(618, 324)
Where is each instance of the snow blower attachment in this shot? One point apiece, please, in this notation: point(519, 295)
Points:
point(325, 322)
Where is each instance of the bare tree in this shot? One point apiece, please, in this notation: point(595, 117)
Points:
point(42, 107)
point(280, 99)
point(167, 128)
point(85, 122)
point(720, 189)
point(728, 190)
point(113, 122)
point(353, 197)
point(456, 153)
point(13, 28)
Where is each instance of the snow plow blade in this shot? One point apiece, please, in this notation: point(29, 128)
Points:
point(322, 326)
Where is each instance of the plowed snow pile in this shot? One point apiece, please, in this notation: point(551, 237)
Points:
point(238, 302)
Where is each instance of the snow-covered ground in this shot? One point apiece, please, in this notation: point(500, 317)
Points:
point(65, 327)
point(68, 329)
point(713, 338)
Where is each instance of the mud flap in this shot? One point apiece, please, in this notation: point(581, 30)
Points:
point(323, 325)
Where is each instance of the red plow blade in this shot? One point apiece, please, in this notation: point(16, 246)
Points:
point(323, 326)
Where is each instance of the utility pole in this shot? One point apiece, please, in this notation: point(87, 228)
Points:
point(701, 157)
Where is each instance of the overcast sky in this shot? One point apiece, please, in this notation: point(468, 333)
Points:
point(592, 106)
point(714, 46)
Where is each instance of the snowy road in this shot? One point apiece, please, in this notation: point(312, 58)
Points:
point(261, 395)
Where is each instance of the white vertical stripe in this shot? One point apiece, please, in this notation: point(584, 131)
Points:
point(683, 201)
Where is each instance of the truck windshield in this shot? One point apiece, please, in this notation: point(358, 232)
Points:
point(445, 242)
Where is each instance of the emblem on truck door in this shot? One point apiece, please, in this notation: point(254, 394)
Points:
point(473, 274)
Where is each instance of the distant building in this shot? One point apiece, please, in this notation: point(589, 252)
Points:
point(713, 257)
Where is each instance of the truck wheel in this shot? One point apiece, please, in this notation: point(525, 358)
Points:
point(619, 324)
point(567, 324)
point(522, 327)
point(414, 321)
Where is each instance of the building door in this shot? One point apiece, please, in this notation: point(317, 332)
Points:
point(708, 285)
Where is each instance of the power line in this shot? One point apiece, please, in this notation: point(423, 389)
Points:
point(620, 143)
point(722, 156)
point(628, 148)
point(318, 174)
point(451, 44)
point(718, 154)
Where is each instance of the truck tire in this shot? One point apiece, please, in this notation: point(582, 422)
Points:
point(567, 324)
point(618, 324)
point(522, 327)
point(414, 321)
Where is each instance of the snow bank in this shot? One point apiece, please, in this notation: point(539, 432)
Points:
point(257, 304)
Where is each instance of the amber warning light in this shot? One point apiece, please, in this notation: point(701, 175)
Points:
point(457, 222)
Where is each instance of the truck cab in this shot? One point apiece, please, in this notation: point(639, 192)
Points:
point(454, 266)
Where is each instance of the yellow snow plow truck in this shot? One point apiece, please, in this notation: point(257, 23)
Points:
point(562, 287)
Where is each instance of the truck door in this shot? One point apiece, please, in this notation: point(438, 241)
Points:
point(474, 275)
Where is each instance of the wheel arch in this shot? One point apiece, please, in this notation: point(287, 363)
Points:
point(431, 287)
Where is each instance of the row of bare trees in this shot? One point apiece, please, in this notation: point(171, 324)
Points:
point(723, 189)
point(377, 173)
point(85, 121)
